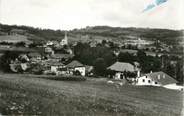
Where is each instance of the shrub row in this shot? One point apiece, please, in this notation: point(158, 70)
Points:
point(62, 77)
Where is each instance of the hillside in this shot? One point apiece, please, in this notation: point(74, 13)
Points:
point(164, 35)
point(116, 34)
point(29, 95)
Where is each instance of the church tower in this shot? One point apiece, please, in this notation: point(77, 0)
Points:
point(65, 40)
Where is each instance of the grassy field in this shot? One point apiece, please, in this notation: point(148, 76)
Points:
point(27, 95)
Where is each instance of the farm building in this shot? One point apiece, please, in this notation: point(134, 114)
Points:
point(156, 79)
point(76, 66)
point(53, 65)
point(17, 32)
point(120, 68)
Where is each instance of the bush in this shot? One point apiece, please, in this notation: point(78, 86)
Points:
point(63, 77)
point(69, 78)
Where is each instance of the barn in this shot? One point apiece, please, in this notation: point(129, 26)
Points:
point(120, 67)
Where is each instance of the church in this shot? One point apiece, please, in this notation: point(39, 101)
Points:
point(65, 40)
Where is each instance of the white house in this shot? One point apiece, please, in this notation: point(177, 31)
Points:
point(35, 57)
point(49, 43)
point(156, 79)
point(76, 66)
point(146, 80)
point(53, 66)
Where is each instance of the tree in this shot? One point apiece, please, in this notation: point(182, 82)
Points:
point(100, 66)
point(104, 42)
point(126, 57)
point(36, 68)
point(179, 71)
point(6, 60)
point(141, 55)
point(86, 54)
point(20, 44)
point(148, 63)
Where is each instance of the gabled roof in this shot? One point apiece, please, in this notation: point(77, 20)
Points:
point(129, 51)
point(53, 63)
point(60, 56)
point(74, 64)
point(121, 67)
point(34, 54)
point(161, 77)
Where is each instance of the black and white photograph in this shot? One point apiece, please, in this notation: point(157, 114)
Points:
point(91, 58)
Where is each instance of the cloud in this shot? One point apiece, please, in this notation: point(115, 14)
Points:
point(69, 14)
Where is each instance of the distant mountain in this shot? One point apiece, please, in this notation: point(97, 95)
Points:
point(115, 34)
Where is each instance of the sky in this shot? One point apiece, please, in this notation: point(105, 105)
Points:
point(70, 14)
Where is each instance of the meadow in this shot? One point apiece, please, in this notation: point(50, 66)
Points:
point(22, 94)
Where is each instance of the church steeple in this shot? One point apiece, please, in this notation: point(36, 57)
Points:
point(66, 38)
point(64, 41)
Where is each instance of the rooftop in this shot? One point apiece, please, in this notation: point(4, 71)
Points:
point(161, 77)
point(53, 63)
point(122, 66)
point(60, 56)
point(74, 64)
point(34, 54)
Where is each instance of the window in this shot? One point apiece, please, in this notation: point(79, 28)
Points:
point(149, 81)
point(158, 76)
point(146, 76)
point(143, 80)
point(156, 83)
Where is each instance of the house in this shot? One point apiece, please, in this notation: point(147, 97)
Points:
point(137, 42)
point(155, 79)
point(133, 52)
point(76, 66)
point(49, 43)
point(49, 50)
point(89, 70)
point(120, 67)
point(62, 57)
point(53, 66)
point(24, 58)
point(34, 56)
point(17, 32)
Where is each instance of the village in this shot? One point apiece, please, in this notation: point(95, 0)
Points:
point(91, 58)
point(58, 58)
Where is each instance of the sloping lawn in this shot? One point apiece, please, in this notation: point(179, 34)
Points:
point(28, 95)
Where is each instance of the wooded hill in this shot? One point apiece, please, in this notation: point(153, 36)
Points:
point(117, 34)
